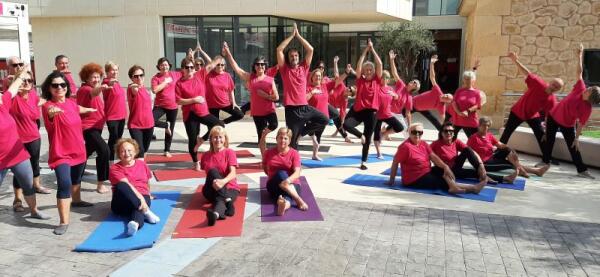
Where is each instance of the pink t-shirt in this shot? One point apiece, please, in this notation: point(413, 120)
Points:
point(137, 175)
point(140, 109)
point(12, 150)
point(222, 161)
point(294, 84)
point(320, 100)
point(272, 71)
point(404, 100)
point(573, 107)
point(85, 99)
point(483, 145)
point(534, 100)
point(275, 161)
point(367, 92)
point(338, 100)
point(261, 106)
point(64, 134)
point(114, 101)
point(218, 88)
point(414, 160)
point(385, 103)
point(430, 100)
point(190, 88)
point(26, 112)
point(166, 97)
point(448, 152)
point(464, 99)
point(72, 84)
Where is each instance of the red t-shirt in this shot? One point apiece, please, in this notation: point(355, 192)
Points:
point(166, 97)
point(573, 107)
point(534, 100)
point(338, 100)
point(12, 150)
point(430, 100)
point(483, 145)
point(222, 161)
point(404, 100)
point(218, 87)
point(414, 160)
point(294, 84)
point(448, 152)
point(72, 84)
point(140, 109)
point(137, 175)
point(385, 103)
point(96, 119)
point(272, 71)
point(464, 99)
point(367, 92)
point(320, 100)
point(275, 161)
point(114, 101)
point(25, 113)
point(261, 106)
point(190, 88)
point(64, 134)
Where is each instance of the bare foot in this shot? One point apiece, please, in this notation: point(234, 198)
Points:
point(387, 137)
point(509, 179)
point(167, 154)
point(523, 173)
point(348, 140)
point(491, 181)
point(334, 134)
point(101, 188)
point(540, 172)
point(302, 205)
point(282, 205)
point(197, 166)
point(477, 188)
point(316, 158)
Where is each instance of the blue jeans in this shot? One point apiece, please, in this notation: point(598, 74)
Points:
point(275, 190)
point(23, 174)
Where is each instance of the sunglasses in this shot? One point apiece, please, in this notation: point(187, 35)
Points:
point(137, 76)
point(260, 64)
point(199, 64)
point(27, 81)
point(221, 64)
point(17, 64)
point(188, 67)
point(57, 85)
point(320, 67)
point(416, 133)
point(448, 131)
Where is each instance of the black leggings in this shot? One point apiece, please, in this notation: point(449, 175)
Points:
point(236, 114)
point(469, 173)
point(337, 121)
point(143, 137)
point(275, 190)
point(392, 122)
point(514, 121)
point(33, 148)
point(126, 204)
point(115, 132)
point(367, 117)
point(303, 119)
point(432, 180)
point(265, 121)
point(67, 176)
point(245, 108)
point(498, 161)
point(95, 143)
point(218, 197)
point(569, 136)
point(432, 118)
point(171, 117)
point(468, 131)
point(192, 128)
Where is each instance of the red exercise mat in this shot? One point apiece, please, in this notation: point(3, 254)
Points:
point(194, 224)
point(179, 174)
point(185, 157)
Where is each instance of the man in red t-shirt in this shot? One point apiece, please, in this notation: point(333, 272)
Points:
point(299, 116)
point(61, 62)
point(14, 64)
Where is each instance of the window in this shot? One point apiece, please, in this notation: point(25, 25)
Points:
point(435, 7)
point(591, 66)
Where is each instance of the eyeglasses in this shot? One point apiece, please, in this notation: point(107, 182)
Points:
point(221, 64)
point(448, 131)
point(416, 133)
point(188, 67)
point(320, 67)
point(199, 64)
point(137, 76)
point(260, 64)
point(56, 85)
point(17, 64)
point(27, 81)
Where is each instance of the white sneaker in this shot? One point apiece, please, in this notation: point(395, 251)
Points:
point(151, 217)
point(132, 228)
point(586, 174)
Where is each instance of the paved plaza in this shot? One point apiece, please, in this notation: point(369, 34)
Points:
point(550, 229)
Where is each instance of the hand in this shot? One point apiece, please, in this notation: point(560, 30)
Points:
point(198, 48)
point(235, 106)
point(143, 205)
point(190, 53)
point(434, 59)
point(218, 184)
point(199, 99)
point(54, 110)
point(295, 29)
point(448, 173)
point(580, 49)
point(168, 80)
point(90, 110)
point(369, 44)
point(392, 55)
point(389, 183)
point(105, 86)
point(264, 133)
point(464, 113)
point(336, 59)
point(575, 144)
point(225, 50)
point(513, 56)
point(134, 86)
point(316, 91)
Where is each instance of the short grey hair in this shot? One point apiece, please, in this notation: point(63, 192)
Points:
point(594, 98)
point(469, 75)
point(9, 59)
point(485, 120)
point(368, 63)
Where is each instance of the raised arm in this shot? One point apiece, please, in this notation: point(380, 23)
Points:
point(283, 45)
point(236, 68)
point(434, 59)
point(13, 89)
point(378, 62)
point(393, 69)
point(515, 58)
point(579, 53)
point(306, 45)
point(362, 58)
point(336, 71)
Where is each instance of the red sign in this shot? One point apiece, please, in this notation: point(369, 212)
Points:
point(181, 29)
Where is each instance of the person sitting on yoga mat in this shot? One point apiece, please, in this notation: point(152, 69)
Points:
point(282, 166)
point(220, 187)
point(496, 155)
point(448, 148)
point(131, 192)
point(415, 157)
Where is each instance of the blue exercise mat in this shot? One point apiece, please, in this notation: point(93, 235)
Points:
point(110, 235)
point(378, 181)
point(518, 184)
point(343, 161)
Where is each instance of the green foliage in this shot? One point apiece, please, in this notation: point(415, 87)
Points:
point(592, 134)
point(409, 40)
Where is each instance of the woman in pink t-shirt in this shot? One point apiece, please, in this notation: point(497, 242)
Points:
point(141, 121)
point(318, 97)
point(220, 92)
point(386, 97)
point(89, 96)
point(338, 98)
point(66, 154)
point(415, 156)
point(570, 116)
point(131, 192)
point(402, 106)
point(221, 187)
point(467, 102)
point(433, 99)
point(114, 106)
point(163, 86)
point(282, 166)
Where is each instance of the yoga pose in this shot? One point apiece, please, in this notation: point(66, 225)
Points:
point(402, 105)
point(387, 96)
point(433, 99)
point(61, 63)
point(318, 97)
point(67, 151)
point(114, 106)
point(415, 156)
point(131, 192)
point(338, 98)
point(571, 116)
point(221, 187)
point(141, 121)
point(220, 92)
point(263, 92)
point(502, 157)
point(299, 116)
point(89, 96)
point(282, 166)
point(163, 86)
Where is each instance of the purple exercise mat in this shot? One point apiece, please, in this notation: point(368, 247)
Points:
point(268, 208)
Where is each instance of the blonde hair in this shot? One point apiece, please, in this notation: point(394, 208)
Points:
point(109, 65)
point(469, 75)
point(414, 125)
point(218, 130)
point(284, 131)
point(312, 74)
point(122, 141)
point(385, 74)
